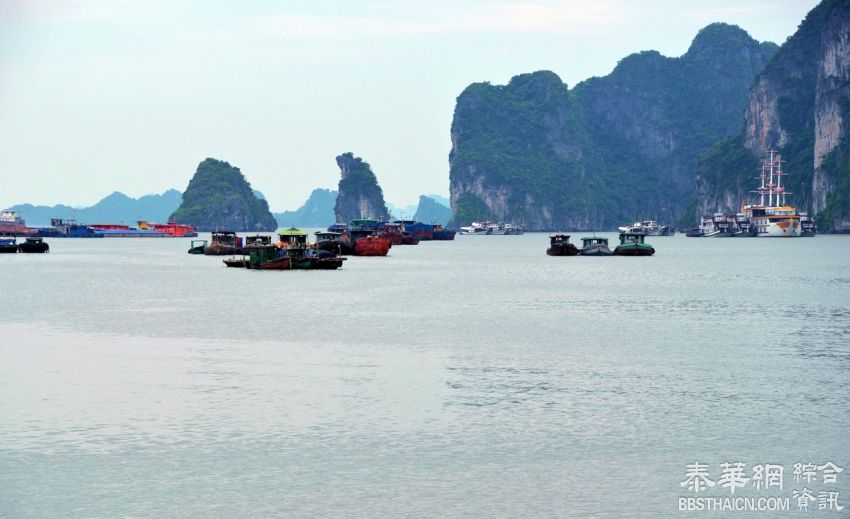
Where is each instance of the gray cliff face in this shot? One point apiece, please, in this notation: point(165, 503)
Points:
point(359, 196)
point(831, 102)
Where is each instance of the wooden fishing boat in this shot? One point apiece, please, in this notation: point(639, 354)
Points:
point(271, 257)
point(559, 245)
point(235, 262)
point(632, 244)
point(595, 246)
point(335, 242)
point(224, 243)
point(34, 246)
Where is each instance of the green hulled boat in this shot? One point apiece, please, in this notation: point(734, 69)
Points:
point(632, 244)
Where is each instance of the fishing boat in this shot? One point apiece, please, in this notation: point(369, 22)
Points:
point(8, 245)
point(334, 242)
point(423, 231)
point(224, 243)
point(197, 246)
point(559, 245)
point(235, 262)
point(292, 237)
point(632, 244)
point(34, 246)
point(595, 246)
point(409, 239)
point(442, 234)
point(271, 257)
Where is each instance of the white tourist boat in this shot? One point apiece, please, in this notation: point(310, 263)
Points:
point(772, 216)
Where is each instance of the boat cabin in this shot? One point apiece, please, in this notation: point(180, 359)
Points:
point(632, 237)
point(293, 237)
point(322, 236)
point(595, 240)
point(556, 239)
point(258, 240)
point(225, 237)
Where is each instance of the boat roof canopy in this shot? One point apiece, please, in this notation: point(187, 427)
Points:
point(292, 231)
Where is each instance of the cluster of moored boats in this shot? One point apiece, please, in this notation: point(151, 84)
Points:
point(631, 244)
point(770, 216)
point(488, 228)
point(293, 250)
point(30, 245)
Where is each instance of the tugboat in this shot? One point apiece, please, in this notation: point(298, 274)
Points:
point(595, 246)
point(224, 243)
point(632, 244)
point(34, 246)
point(8, 246)
point(559, 245)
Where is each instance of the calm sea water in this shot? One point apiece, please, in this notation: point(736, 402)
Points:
point(474, 378)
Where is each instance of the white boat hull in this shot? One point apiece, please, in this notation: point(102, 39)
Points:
point(781, 229)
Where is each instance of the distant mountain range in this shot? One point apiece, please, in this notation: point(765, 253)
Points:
point(318, 210)
point(115, 208)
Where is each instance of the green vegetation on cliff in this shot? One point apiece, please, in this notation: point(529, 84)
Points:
point(431, 211)
point(359, 196)
point(609, 151)
point(219, 198)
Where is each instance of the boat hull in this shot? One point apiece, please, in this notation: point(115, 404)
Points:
point(336, 246)
point(562, 249)
point(596, 250)
point(8, 249)
point(33, 248)
point(235, 262)
point(444, 235)
point(371, 246)
point(782, 229)
point(218, 249)
point(634, 249)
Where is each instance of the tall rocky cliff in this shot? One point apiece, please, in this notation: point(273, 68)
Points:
point(359, 196)
point(219, 198)
point(610, 150)
point(799, 105)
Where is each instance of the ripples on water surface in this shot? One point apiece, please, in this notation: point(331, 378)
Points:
point(475, 378)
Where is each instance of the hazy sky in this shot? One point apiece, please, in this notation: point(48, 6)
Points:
point(104, 95)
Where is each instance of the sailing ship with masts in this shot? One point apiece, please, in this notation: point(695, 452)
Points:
point(772, 216)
